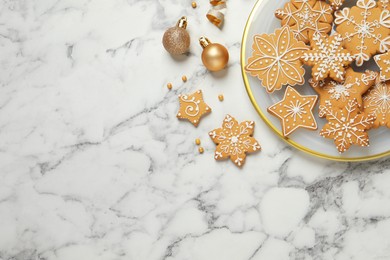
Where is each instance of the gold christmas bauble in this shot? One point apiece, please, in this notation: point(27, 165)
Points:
point(215, 56)
point(176, 40)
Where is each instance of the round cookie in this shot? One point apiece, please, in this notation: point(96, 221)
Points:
point(365, 29)
point(275, 59)
point(306, 17)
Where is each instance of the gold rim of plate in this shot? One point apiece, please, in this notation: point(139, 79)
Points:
point(272, 126)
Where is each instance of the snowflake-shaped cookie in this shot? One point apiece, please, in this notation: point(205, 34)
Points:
point(347, 126)
point(306, 17)
point(192, 107)
point(327, 57)
point(295, 111)
point(234, 140)
point(377, 102)
point(337, 94)
point(383, 62)
point(365, 29)
point(275, 59)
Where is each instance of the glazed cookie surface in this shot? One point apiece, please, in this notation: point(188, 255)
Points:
point(295, 111)
point(347, 126)
point(306, 17)
point(327, 57)
point(377, 102)
point(338, 95)
point(365, 29)
point(275, 59)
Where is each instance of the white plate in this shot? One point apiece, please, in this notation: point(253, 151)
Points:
point(262, 20)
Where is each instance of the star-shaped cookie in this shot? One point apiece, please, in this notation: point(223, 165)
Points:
point(327, 57)
point(192, 107)
point(234, 140)
point(295, 111)
point(383, 62)
point(377, 102)
point(337, 94)
point(347, 126)
point(306, 17)
point(275, 59)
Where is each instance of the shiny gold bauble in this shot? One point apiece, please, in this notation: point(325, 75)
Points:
point(176, 40)
point(215, 56)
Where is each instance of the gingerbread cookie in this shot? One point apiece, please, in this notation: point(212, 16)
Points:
point(275, 59)
point(347, 126)
point(306, 17)
point(234, 140)
point(365, 29)
point(383, 62)
point(327, 57)
point(336, 4)
point(337, 94)
point(192, 107)
point(377, 103)
point(295, 111)
point(384, 4)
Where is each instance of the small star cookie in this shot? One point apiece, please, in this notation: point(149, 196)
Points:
point(365, 29)
point(383, 62)
point(377, 103)
point(192, 107)
point(234, 140)
point(347, 126)
point(327, 57)
point(275, 59)
point(306, 17)
point(295, 111)
point(337, 94)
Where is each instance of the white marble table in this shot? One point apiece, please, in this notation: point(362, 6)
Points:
point(94, 164)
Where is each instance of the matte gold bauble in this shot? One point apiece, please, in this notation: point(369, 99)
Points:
point(215, 56)
point(176, 40)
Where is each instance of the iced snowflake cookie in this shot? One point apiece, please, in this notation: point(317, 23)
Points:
point(234, 140)
point(295, 111)
point(275, 59)
point(377, 103)
point(192, 107)
point(383, 62)
point(347, 126)
point(365, 29)
point(338, 95)
point(306, 17)
point(327, 57)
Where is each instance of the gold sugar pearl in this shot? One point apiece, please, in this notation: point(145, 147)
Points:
point(169, 86)
point(197, 141)
point(201, 150)
point(221, 98)
point(184, 78)
point(193, 4)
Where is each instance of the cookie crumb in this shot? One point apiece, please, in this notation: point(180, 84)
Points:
point(221, 98)
point(201, 150)
point(197, 141)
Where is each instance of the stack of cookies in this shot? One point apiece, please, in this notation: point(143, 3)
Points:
point(352, 102)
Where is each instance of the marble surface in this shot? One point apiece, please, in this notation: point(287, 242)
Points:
point(94, 164)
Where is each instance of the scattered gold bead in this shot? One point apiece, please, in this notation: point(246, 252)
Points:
point(184, 78)
point(220, 97)
point(193, 4)
point(169, 86)
point(197, 141)
point(201, 150)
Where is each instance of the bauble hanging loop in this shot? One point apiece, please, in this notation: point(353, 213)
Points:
point(215, 56)
point(176, 40)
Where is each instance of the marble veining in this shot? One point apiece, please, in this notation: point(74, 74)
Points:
point(94, 165)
